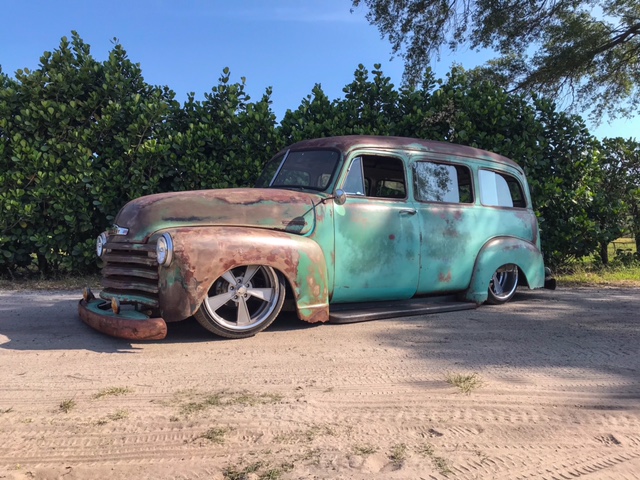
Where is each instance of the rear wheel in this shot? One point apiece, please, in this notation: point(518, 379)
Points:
point(503, 284)
point(242, 301)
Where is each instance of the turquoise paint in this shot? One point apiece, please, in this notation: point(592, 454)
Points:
point(94, 307)
point(367, 249)
point(377, 250)
point(500, 251)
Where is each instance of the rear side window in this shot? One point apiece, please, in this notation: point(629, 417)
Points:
point(441, 182)
point(500, 190)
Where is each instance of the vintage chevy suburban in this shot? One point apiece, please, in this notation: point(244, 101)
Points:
point(379, 222)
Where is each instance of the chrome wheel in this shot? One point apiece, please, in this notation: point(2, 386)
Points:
point(503, 284)
point(242, 302)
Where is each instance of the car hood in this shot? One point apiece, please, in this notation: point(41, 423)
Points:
point(276, 209)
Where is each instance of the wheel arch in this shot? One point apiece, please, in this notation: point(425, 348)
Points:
point(203, 254)
point(501, 251)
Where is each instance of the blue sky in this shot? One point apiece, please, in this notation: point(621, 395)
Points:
point(288, 44)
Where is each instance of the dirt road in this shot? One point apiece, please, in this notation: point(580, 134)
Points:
point(558, 395)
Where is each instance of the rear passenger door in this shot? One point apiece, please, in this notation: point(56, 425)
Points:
point(447, 216)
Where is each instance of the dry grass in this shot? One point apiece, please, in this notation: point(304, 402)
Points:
point(440, 463)
point(587, 276)
point(223, 399)
point(465, 382)
point(114, 417)
point(398, 454)
point(364, 450)
point(215, 434)
point(111, 392)
point(67, 405)
point(67, 282)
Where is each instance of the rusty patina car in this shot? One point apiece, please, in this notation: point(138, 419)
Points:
point(388, 224)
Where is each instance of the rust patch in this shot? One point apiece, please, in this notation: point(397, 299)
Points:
point(122, 327)
point(186, 283)
point(265, 208)
point(444, 278)
point(318, 316)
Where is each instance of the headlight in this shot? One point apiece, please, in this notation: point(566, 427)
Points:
point(164, 249)
point(100, 243)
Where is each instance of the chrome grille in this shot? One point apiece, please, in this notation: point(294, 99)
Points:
point(130, 273)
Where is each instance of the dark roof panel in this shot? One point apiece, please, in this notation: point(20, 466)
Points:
point(350, 142)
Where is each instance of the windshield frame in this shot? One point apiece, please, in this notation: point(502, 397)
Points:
point(287, 154)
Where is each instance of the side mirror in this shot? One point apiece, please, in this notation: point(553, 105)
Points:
point(339, 196)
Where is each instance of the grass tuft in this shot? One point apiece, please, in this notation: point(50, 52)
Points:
point(119, 415)
point(306, 436)
point(114, 417)
point(67, 405)
point(112, 392)
point(215, 434)
point(398, 454)
point(465, 382)
point(226, 399)
point(364, 450)
point(440, 463)
point(233, 473)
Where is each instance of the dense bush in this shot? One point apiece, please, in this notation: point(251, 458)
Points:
point(79, 138)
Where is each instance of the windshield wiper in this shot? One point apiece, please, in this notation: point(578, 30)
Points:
point(296, 187)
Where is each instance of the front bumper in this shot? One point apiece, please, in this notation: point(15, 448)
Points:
point(128, 324)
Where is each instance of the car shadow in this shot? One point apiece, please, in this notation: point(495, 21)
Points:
point(49, 320)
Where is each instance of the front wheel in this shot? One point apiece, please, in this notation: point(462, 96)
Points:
point(242, 302)
point(503, 284)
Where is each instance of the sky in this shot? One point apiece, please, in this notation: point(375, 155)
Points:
point(289, 45)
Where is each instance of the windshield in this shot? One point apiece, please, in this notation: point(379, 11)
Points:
point(311, 169)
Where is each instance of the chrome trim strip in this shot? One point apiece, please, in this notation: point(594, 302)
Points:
point(116, 230)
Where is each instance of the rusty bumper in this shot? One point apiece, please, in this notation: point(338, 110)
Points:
point(128, 324)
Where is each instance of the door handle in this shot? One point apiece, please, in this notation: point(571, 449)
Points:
point(408, 211)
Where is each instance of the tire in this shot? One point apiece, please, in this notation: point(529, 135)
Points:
point(242, 302)
point(503, 284)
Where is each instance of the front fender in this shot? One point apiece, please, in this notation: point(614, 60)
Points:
point(202, 254)
point(500, 251)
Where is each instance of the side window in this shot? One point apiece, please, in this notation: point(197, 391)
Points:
point(376, 176)
point(500, 189)
point(440, 182)
point(354, 184)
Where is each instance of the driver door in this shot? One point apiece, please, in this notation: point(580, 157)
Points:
point(377, 234)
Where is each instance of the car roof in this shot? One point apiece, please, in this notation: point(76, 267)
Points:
point(347, 143)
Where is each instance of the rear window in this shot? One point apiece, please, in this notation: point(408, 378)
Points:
point(441, 182)
point(500, 190)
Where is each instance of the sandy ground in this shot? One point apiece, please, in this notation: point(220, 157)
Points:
point(559, 395)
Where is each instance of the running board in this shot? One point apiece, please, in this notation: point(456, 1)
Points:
point(363, 312)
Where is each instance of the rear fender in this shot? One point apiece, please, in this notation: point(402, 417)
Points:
point(500, 251)
point(202, 254)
